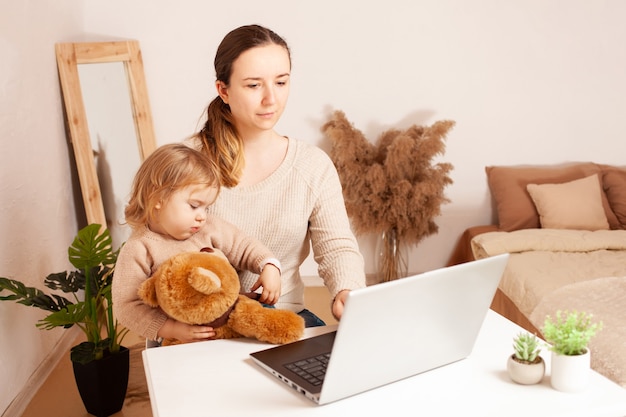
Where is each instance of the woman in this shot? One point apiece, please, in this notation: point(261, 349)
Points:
point(282, 191)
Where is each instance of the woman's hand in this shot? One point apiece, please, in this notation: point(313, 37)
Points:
point(338, 304)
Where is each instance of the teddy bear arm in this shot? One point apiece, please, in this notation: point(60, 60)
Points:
point(226, 332)
point(147, 292)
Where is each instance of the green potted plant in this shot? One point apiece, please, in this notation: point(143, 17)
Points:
point(568, 335)
point(525, 366)
point(101, 354)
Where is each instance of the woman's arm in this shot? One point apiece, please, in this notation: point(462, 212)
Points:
point(335, 248)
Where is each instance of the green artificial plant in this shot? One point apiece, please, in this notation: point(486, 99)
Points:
point(569, 332)
point(526, 348)
point(92, 254)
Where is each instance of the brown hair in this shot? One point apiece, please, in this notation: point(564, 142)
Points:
point(167, 170)
point(219, 137)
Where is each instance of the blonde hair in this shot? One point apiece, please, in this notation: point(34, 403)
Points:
point(219, 136)
point(167, 170)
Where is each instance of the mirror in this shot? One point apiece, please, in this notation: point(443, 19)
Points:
point(109, 122)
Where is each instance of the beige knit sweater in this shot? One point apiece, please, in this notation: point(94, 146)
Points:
point(145, 250)
point(299, 207)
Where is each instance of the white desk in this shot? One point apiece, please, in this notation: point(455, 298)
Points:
point(218, 378)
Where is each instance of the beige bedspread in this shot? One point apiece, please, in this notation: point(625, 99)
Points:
point(605, 299)
point(495, 243)
point(544, 260)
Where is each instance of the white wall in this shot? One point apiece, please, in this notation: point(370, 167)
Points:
point(37, 214)
point(533, 81)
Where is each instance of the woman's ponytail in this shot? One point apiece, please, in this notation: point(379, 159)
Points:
point(220, 140)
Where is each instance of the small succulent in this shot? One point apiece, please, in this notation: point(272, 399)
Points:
point(569, 333)
point(526, 348)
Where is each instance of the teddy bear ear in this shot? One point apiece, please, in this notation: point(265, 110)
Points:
point(204, 280)
point(147, 292)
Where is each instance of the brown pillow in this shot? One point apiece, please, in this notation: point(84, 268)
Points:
point(614, 183)
point(515, 208)
point(572, 205)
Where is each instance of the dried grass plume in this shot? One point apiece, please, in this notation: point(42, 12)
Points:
point(394, 183)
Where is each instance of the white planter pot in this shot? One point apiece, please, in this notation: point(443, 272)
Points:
point(525, 373)
point(570, 373)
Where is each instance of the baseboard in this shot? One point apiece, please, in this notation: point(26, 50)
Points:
point(41, 374)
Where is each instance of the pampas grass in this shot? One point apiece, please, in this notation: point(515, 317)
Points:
point(393, 184)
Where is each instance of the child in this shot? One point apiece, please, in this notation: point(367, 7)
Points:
point(167, 212)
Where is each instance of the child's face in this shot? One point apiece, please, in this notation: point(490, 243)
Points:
point(184, 214)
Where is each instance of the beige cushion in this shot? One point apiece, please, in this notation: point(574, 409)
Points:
point(572, 205)
point(513, 205)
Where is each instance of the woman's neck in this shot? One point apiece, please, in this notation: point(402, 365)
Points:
point(263, 155)
point(259, 140)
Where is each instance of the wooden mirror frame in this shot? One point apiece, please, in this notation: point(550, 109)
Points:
point(69, 56)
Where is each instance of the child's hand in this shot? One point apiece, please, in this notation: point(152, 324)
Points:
point(270, 281)
point(184, 332)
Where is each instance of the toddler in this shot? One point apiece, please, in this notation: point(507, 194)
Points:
point(167, 212)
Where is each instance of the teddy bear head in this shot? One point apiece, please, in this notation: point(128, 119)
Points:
point(193, 287)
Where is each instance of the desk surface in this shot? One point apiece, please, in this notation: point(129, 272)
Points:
point(219, 378)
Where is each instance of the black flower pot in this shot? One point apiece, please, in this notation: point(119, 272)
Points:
point(102, 384)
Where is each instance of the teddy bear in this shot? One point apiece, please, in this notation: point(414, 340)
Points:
point(203, 288)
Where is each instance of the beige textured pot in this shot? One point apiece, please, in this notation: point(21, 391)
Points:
point(525, 373)
point(570, 373)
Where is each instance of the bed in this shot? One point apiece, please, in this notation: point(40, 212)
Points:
point(564, 227)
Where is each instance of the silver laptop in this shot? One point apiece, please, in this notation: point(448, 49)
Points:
point(391, 331)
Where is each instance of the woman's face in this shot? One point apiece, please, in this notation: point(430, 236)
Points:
point(259, 88)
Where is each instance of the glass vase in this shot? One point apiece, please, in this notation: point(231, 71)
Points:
point(392, 257)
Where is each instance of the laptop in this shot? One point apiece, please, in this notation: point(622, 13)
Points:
point(391, 331)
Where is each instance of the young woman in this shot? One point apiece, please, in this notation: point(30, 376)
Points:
point(283, 191)
point(167, 211)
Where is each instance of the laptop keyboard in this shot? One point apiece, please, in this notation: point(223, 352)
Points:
point(312, 369)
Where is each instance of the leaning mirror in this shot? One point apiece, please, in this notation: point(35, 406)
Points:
point(109, 123)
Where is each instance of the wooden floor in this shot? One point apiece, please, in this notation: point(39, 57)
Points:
point(59, 397)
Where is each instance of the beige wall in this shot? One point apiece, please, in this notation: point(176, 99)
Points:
point(526, 81)
point(535, 81)
point(37, 215)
